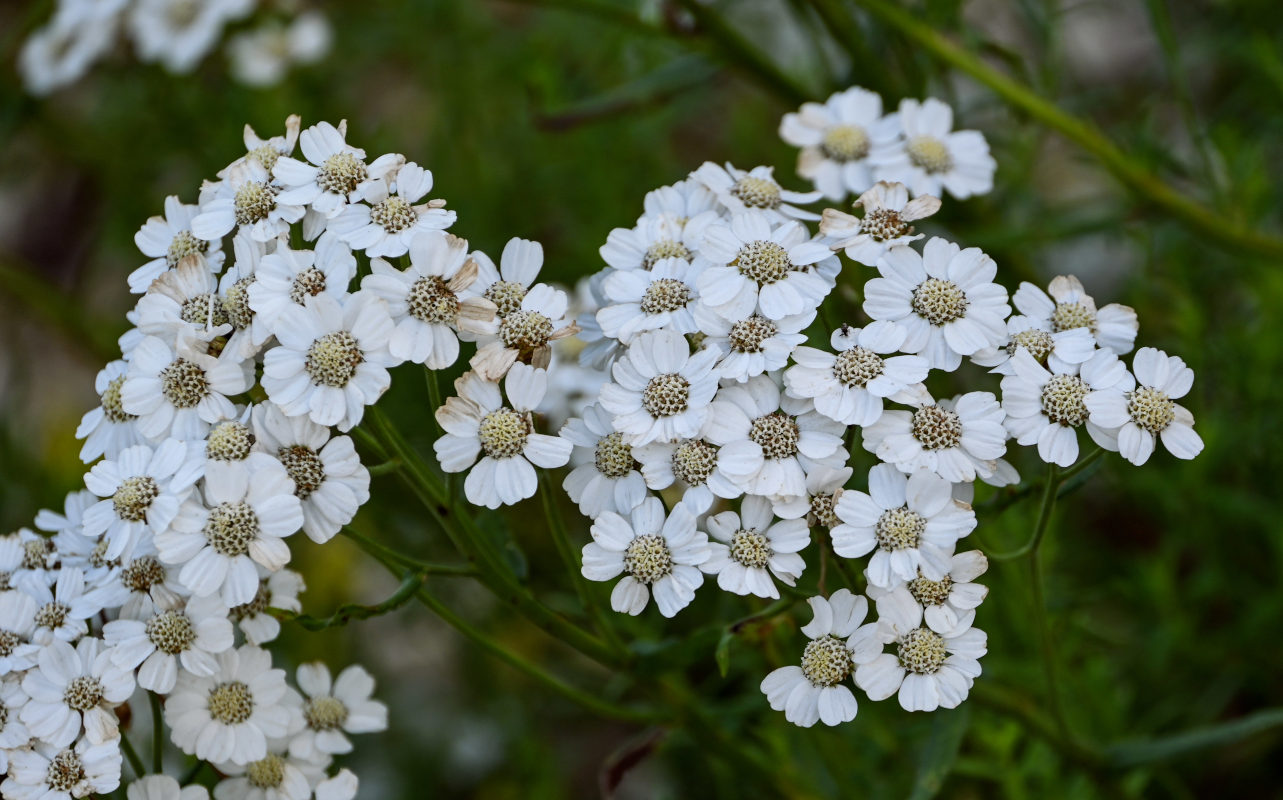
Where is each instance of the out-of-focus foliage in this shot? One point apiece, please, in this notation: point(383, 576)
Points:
point(545, 121)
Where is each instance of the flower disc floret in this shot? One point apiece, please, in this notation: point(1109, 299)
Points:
point(749, 335)
point(765, 262)
point(777, 434)
point(822, 510)
point(1068, 316)
point(694, 462)
point(231, 703)
point(143, 573)
point(900, 528)
point(393, 214)
point(51, 615)
point(253, 202)
point(666, 395)
point(307, 283)
point(664, 248)
point(341, 173)
point(332, 359)
point(183, 245)
point(750, 548)
point(304, 467)
point(134, 496)
point(884, 225)
point(111, 406)
point(83, 693)
point(1038, 343)
point(1062, 400)
point(325, 713)
point(937, 428)
point(197, 310)
point(827, 661)
point(171, 631)
point(36, 552)
point(665, 294)
point(857, 366)
point(231, 527)
point(503, 433)
point(266, 773)
point(506, 295)
point(65, 772)
point(922, 651)
point(844, 143)
point(930, 593)
point(431, 301)
point(757, 192)
point(613, 457)
point(929, 153)
point(938, 301)
point(229, 440)
point(525, 330)
point(1151, 409)
point(184, 383)
point(648, 558)
point(236, 303)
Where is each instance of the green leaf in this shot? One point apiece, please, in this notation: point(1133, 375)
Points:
point(723, 653)
point(935, 762)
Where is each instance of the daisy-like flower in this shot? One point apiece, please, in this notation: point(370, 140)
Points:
point(641, 300)
point(231, 439)
point(333, 709)
point(28, 559)
point(249, 508)
point(823, 488)
point(932, 156)
point(752, 345)
point(694, 464)
point(608, 478)
point(765, 449)
point(234, 287)
point(261, 152)
point(179, 33)
point(525, 334)
point(1046, 408)
point(761, 265)
point(285, 278)
point(163, 787)
point(278, 589)
point(328, 476)
point(391, 221)
point(950, 603)
point(746, 549)
point(142, 489)
point(738, 191)
point(144, 585)
point(929, 669)
point(60, 612)
point(17, 624)
point(108, 429)
point(332, 360)
point(184, 301)
point(74, 689)
point(44, 772)
point(276, 776)
point(888, 214)
point(836, 138)
point(661, 235)
point(816, 690)
point(247, 200)
point(1066, 306)
point(912, 521)
point(179, 391)
point(343, 786)
point(335, 172)
point(661, 391)
point(1140, 416)
point(13, 734)
point(945, 298)
point(230, 715)
point(189, 632)
point(657, 554)
point(1061, 351)
point(433, 301)
point(506, 285)
point(850, 385)
point(477, 423)
point(167, 240)
point(956, 439)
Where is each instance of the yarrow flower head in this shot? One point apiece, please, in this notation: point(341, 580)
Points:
point(1133, 420)
point(956, 439)
point(837, 138)
point(393, 217)
point(609, 478)
point(888, 214)
point(661, 390)
point(334, 708)
point(750, 547)
point(932, 156)
point(738, 191)
point(1066, 306)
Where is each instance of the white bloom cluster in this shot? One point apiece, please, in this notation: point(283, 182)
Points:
point(178, 34)
point(721, 441)
point(159, 576)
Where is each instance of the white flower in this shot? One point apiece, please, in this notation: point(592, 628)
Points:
point(525, 334)
point(28, 559)
point(765, 449)
point(958, 440)
point(760, 265)
point(641, 300)
point(332, 360)
point(824, 484)
point(332, 709)
point(950, 603)
point(747, 549)
point(246, 200)
point(190, 632)
point(143, 489)
point(1046, 408)
point(608, 479)
point(178, 33)
point(163, 787)
point(13, 734)
point(278, 589)
point(1140, 417)
point(167, 240)
point(335, 173)
point(261, 57)
point(836, 139)
point(179, 391)
point(143, 584)
point(235, 286)
point(1061, 351)
point(694, 463)
point(849, 386)
point(888, 212)
point(930, 670)
point(752, 345)
point(507, 285)
point(477, 422)
point(74, 689)
point(392, 220)
point(932, 156)
point(945, 298)
point(912, 521)
point(285, 278)
point(1069, 306)
point(327, 473)
point(275, 776)
point(249, 508)
point(49, 773)
point(738, 191)
point(230, 715)
point(183, 302)
point(62, 611)
point(661, 391)
point(816, 691)
point(343, 786)
point(658, 554)
point(432, 301)
point(59, 53)
point(660, 235)
point(259, 151)
point(17, 624)
point(108, 429)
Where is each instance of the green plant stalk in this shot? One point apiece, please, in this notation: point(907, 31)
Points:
point(157, 734)
point(1047, 649)
point(346, 613)
point(135, 763)
point(418, 565)
point(1124, 755)
point(1145, 185)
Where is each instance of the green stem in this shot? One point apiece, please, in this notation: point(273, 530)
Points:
point(426, 567)
point(1050, 491)
point(1124, 755)
point(1026, 712)
point(387, 467)
point(157, 735)
point(135, 763)
point(1047, 648)
point(1123, 166)
point(351, 611)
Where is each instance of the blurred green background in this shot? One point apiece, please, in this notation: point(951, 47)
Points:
point(550, 120)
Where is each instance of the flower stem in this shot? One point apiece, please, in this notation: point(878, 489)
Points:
point(135, 763)
point(157, 731)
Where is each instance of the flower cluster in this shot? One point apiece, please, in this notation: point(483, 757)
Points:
point(178, 34)
point(720, 445)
